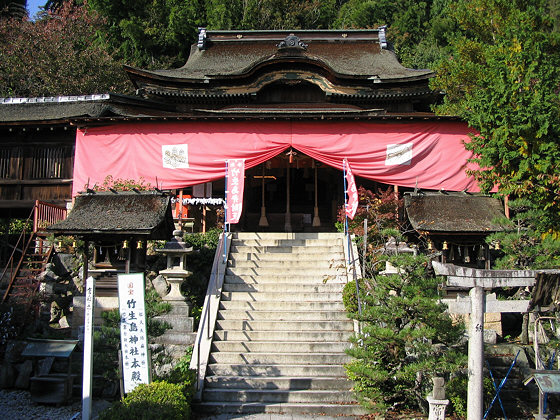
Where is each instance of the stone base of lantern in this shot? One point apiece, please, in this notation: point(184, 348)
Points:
point(437, 408)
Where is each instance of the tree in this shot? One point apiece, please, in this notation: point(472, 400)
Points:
point(503, 78)
point(406, 337)
point(151, 34)
point(58, 54)
point(417, 30)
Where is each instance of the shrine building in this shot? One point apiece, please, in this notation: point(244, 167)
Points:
point(292, 104)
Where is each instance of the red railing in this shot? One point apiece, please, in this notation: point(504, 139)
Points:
point(43, 214)
point(46, 214)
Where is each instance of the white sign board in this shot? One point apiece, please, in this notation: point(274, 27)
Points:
point(88, 349)
point(134, 343)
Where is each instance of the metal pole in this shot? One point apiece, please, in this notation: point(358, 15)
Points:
point(476, 355)
point(225, 215)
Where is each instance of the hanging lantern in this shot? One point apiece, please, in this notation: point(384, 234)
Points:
point(60, 244)
point(139, 245)
point(497, 246)
point(445, 247)
point(125, 244)
point(430, 245)
point(73, 244)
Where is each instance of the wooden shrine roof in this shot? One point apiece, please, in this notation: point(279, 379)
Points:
point(448, 212)
point(145, 215)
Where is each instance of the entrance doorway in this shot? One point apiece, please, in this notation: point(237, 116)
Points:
point(292, 192)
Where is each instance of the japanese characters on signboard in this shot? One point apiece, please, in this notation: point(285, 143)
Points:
point(235, 184)
point(352, 191)
point(134, 342)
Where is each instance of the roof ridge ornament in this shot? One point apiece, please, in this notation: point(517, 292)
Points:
point(382, 37)
point(202, 39)
point(292, 42)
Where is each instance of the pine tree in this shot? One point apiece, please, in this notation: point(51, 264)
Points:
point(406, 338)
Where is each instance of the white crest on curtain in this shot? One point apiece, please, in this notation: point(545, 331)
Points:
point(175, 156)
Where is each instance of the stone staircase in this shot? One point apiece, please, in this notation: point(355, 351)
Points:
point(281, 330)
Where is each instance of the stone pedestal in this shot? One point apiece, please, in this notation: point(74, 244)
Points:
point(437, 401)
point(437, 408)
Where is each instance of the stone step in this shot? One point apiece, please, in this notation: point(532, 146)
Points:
point(300, 279)
point(287, 336)
point(279, 358)
point(281, 305)
point(275, 315)
point(275, 271)
point(279, 347)
point(292, 263)
point(280, 257)
point(283, 250)
point(311, 243)
point(276, 370)
point(250, 325)
point(281, 296)
point(277, 395)
point(284, 287)
point(288, 235)
point(294, 409)
point(283, 382)
point(177, 322)
point(183, 338)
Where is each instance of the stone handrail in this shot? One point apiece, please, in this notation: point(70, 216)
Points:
point(203, 342)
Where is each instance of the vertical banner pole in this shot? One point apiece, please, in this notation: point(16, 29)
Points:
point(346, 231)
point(226, 215)
point(88, 349)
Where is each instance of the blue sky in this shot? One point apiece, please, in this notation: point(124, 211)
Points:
point(33, 6)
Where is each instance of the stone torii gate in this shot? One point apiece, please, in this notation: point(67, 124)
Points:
point(477, 281)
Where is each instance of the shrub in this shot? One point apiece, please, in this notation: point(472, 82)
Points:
point(159, 400)
point(406, 338)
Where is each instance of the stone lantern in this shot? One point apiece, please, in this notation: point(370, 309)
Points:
point(181, 333)
point(176, 272)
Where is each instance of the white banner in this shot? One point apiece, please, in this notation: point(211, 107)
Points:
point(134, 343)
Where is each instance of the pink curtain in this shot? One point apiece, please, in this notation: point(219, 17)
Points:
point(429, 154)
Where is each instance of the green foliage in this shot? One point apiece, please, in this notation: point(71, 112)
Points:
point(456, 392)
point(350, 298)
point(120, 184)
point(57, 55)
point(15, 226)
point(521, 245)
point(406, 338)
point(155, 33)
point(381, 211)
point(155, 401)
point(200, 264)
point(503, 78)
point(181, 374)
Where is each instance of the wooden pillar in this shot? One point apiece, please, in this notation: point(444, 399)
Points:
point(86, 260)
point(288, 220)
point(263, 221)
point(316, 219)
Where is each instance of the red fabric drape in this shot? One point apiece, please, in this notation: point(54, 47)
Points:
point(429, 154)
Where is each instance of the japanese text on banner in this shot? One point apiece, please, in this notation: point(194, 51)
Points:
point(352, 191)
point(235, 184)
point(133, 331)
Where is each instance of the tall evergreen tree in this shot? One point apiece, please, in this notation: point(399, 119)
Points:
point(503, 78)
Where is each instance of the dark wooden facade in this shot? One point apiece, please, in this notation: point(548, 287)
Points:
point(36, 163)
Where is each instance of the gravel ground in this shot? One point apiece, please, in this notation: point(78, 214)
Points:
point(17, 405)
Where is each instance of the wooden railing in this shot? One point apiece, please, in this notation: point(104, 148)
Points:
point(46, 214)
